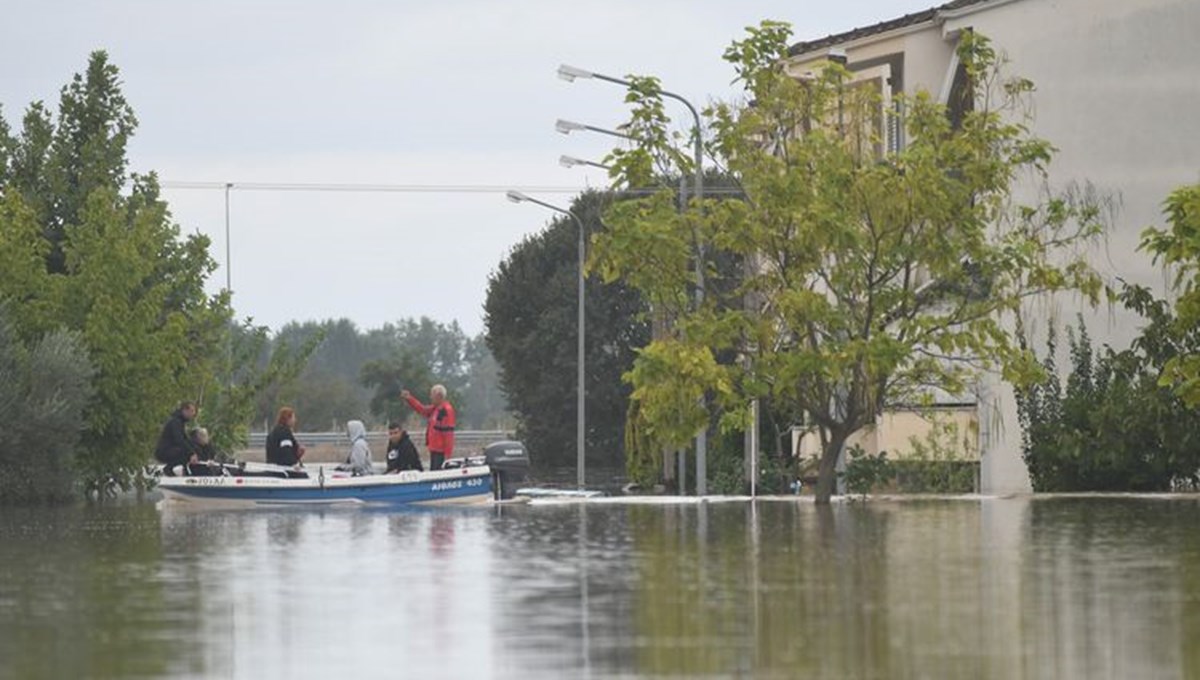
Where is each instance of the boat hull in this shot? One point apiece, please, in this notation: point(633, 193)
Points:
point(443, 487)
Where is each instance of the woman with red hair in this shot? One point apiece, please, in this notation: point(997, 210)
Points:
point(282, 447)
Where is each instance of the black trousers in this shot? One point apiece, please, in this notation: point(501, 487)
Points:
point(172, 457)
point(436, 458)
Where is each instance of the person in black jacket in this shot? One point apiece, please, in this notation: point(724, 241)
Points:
point(174, 446)
point(401, 453)
point(282, 447)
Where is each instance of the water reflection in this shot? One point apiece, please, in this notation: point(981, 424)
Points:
point(1053, 587)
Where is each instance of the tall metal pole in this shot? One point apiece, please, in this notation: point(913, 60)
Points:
point(579, 389)
point(580, 392)
point(698, 190)
point(228, 265)
point(570, 73)
point(228, 286)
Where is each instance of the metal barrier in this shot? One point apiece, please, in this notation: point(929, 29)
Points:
point(464, 440)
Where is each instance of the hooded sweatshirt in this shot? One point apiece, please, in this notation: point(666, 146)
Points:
point(359, 460)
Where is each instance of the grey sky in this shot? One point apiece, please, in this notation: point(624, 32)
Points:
point(458, 92)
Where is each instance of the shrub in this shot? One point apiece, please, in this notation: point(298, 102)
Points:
point(43, 392)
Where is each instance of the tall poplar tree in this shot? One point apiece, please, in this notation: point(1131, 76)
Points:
point(92, 249)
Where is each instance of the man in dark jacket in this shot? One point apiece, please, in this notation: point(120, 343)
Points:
point(401, 453)
point(175, 447)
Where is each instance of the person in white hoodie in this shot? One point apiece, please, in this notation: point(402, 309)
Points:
point(359, 461)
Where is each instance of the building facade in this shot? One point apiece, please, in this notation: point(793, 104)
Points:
point(1118, 95)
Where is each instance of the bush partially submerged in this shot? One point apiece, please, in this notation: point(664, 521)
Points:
point(43, 391)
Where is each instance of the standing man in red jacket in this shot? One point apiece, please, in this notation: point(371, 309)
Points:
point(439, 432)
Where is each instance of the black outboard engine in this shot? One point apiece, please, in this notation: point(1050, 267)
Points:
point(509, 462)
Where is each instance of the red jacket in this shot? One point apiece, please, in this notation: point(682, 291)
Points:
point(439, 433)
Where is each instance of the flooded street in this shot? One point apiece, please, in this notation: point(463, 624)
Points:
point(1053, 587)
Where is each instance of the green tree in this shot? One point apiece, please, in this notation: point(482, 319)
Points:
point(531, 322)
point(421, 353)
point(1179, 246)
point(873, 277)
point(489, 408)
point(403, 370)
point(7, 146)
point(227, 400)
point(347, 374)
point(327, 392)
point(92, 249)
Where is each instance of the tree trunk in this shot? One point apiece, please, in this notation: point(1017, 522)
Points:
point(827, 471)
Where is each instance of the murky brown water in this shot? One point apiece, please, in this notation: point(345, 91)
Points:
point(1047, 588)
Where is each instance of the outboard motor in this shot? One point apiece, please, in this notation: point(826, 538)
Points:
point(509, 462)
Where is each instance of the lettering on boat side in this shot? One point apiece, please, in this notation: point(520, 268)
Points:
point(207, 481)
point(455, 484)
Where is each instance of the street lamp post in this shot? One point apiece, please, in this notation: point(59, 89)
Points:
point(228, 267)
point(569, 74)
point(518, 197)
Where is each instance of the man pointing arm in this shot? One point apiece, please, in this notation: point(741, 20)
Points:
point(439, 418)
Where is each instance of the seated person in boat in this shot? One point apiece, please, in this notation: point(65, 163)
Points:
point(282, 447)
point(401, 453)
point(175, 448)
point(204, 448)
point(358, 462)
point(205, 454)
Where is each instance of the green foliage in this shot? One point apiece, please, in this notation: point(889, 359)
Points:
point(531, 330)
point(941, 462)
point(355, 374)
point(229, 397)
point(1112, 426)
point(403, 370)
point(81, 255)
point(874, 276)
point(643, 470)
point(1179, 246)
point(864, 472)
point(43, 391)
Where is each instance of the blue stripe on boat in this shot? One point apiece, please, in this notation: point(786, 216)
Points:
point(424, 491)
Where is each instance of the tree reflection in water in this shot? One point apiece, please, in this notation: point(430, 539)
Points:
point(983, 588)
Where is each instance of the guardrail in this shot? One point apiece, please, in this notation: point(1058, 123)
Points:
point(464, 440)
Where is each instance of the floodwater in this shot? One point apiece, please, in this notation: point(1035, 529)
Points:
point(1054, 587)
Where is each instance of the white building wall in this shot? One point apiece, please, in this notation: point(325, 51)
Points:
point(1118, 91)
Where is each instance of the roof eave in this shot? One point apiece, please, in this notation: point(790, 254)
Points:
point(867, 39)
point(940, 16)
point(944, 14)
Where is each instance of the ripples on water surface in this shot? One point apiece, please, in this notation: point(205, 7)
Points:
point(1048, 588)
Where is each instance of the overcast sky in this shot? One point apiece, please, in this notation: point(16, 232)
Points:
point(393, 92)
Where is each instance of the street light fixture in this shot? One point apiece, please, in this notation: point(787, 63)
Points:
point(571, 162)
point(518, 197)
point(566, 127)
point(569, 74)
